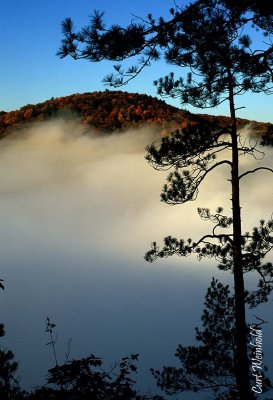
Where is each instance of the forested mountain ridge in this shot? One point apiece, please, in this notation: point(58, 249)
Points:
point(111, 111)
point(106, 111)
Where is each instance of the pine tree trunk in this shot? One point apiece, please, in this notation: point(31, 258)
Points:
point(242, 363)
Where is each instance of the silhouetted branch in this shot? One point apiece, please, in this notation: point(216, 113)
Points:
point(254, 170)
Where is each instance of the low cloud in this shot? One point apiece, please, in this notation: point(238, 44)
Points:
point(78, 212)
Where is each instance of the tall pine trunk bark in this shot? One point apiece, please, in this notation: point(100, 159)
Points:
point(242, 363)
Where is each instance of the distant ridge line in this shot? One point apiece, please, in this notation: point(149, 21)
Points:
point(113, 111)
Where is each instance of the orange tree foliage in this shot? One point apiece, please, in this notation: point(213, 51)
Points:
point(107, 111)
point(111, 111)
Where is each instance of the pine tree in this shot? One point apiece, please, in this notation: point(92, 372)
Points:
point(207, 38)
point(209, 366)
point(9, 385)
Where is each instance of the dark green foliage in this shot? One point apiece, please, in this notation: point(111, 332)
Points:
point(86, 379)
point(212, 67)
point(192, 153)
point(192, 150)
point(209, 366)
point(183, 41)
point(255, 246)
point(262, 9)
point(9, 385)
point(81, 379)
point(101, 43)
point(208, 38)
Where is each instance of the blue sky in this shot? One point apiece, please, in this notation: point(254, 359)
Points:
point(30, 71)
point(71, 228)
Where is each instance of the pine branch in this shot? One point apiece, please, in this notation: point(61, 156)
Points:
point(255, 170)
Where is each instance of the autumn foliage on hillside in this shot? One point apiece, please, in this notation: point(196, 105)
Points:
point(112, 111)
point(107, 111)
